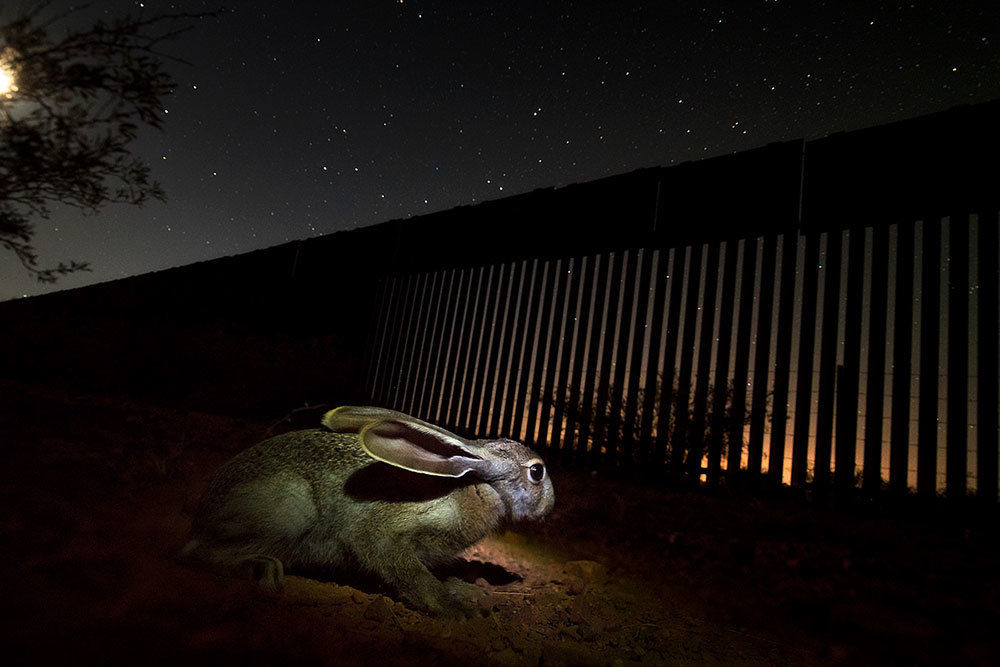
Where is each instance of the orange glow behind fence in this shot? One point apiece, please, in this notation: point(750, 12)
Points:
point(510, 348)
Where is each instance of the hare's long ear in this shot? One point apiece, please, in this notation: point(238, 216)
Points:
point(422, 448)
point(352, 418)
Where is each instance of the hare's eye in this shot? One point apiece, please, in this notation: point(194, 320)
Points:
point(536, 473)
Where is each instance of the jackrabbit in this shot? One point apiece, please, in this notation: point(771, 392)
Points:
point(375, 490)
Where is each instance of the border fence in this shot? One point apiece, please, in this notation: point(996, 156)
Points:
point(818, 312)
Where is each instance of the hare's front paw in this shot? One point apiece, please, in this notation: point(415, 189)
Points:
point(449, 600)
point(461, 590)
point(463, 596)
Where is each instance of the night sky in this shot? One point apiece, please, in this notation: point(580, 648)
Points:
point(296, 119)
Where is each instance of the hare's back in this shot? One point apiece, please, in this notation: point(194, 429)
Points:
point(315, 455)
point(281, 484)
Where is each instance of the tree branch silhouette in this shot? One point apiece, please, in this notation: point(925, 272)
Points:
point(68, 125)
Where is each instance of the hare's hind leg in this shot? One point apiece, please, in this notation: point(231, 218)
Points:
point(241, 532)
point(266, 571)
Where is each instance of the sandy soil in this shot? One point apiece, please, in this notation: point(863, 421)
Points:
point(96, 494)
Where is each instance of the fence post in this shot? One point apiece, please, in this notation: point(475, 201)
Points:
point(958, 357)
point(698, 443)
point(587, 418)
point(848, 378)
point(449, 371)
point(621, 358)
point(989, 332)
point(526, 321)
point(430, 403)
point(782, 362)
point(573, 329)
point(489, 350)
point(653, 377)
point(378, 328)
point(577, 399)
point(807, 348)
point(640, 335)
point(421, 325)
point(680, 441)
point(670, 357)
point(902, 354)
point(828, 361)
point(930, 307)
point(508, 355)
point(551, 346)
point(727, 304)
point(607, 338)
point(762, 361)
point(741, 363)
point(874, 409)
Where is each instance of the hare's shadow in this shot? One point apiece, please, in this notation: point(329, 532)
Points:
point(471, 570)
point(468, 571)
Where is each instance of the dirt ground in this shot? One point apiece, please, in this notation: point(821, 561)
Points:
point(96, 496)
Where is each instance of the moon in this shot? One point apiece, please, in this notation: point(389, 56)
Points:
point(6, 81)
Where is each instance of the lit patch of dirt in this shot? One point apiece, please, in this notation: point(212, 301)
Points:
point(96, 495)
